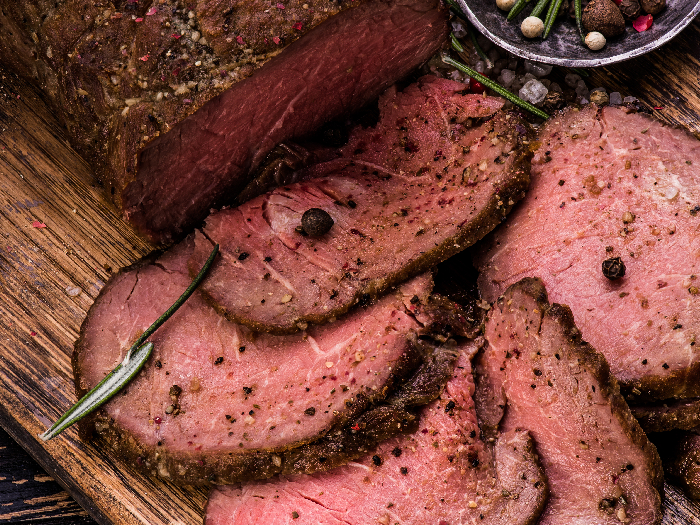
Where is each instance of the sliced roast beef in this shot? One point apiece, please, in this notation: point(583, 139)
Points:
point(611, 226)
point(419, 187)
point(217, 402)
point(680, 451)
point(444, 473)
point(174, 103)
point(536, 373)
point(681, 414)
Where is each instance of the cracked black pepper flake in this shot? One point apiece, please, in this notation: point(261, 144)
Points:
point(219, 360)
point(175, 390)
point(267, 259)
point(376, 460)
point(472, 434)
point(251, 413)
point(247, 390)
point(396, 452)
point(665, 366)
point(352, 204)
point(537, 372)
point(404, 470)
point(644, 361)
point(243, 256)
point(310, 411)
point(295, 515)
point(450, 406)
point(613, 268)
point(158, 364)
point(241, 349)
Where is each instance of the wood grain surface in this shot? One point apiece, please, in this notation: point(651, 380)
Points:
point(60, 241)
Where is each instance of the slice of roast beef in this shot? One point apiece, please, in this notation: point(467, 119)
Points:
point(681, 414)
point(536, 373)
point(419, 187)
point(174, 103)
point(609, 184)
point(217, 402)
point(442, 474)
point(680, 452)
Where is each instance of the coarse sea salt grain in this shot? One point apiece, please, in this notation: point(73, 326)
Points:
point(533, 92)
point(615, 98)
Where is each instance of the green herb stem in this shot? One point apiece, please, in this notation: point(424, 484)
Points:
point(577, 10)
point(540, 7)
point(552, 13)
point(124, 372)
point(494, 86)
point(103, 392)
point(516, 9)
point(580, 72)
point(477, 47)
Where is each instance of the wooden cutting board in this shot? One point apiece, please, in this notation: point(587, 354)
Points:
point(60, 241)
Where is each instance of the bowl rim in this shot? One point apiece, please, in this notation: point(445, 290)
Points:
point(579, 62)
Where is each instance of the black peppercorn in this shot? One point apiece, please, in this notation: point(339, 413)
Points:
point(316, 222)
point(613, 268)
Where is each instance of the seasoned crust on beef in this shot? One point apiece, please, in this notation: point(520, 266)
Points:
point(172, 104)
point(413, 206)
point(608, 183)
point(217, 403)
point(683, 414)
point(444, 473)
point(538, 374)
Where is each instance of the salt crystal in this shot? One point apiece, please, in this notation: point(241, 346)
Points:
point(571, 79)
point(537, 69)
point(533, 92)
point(506, 78)
point(671, 193)
point(72, 291)
point(615, 98)
point(629, 100)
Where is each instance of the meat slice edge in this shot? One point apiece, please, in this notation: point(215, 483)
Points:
point(217, 402)
point(405, 195)
point(606, 184)
point(444, 473)
point(683, 414)
point(540, 375)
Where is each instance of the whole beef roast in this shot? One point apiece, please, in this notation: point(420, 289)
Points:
point(444, 473)
point(537, 374)
point(419, 187)
point(174, 102)
point(608, 185)
point(217, 402)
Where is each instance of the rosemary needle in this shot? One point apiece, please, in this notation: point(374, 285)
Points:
point(493, 85)
point(134, 360)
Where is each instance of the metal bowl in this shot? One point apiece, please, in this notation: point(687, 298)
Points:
point(563, 47)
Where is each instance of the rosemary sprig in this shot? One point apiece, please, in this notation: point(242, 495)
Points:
point(124, 372)
point(540, 7)
point(493, 85)
point(580, 72)
point(516, 9)
point(552, 14)
point(577, 10)
point(472, 36)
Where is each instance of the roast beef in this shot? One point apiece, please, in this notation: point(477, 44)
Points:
point(419, 187)
point(681, 414)
point(609, 184)
point(442, 474)
point(174, 103)
point(680, 451)
point(537, 374)
point(217, 402)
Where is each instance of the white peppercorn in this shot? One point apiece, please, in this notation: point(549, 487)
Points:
point(532, 27)
point(595, 41)
point(505, 5)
